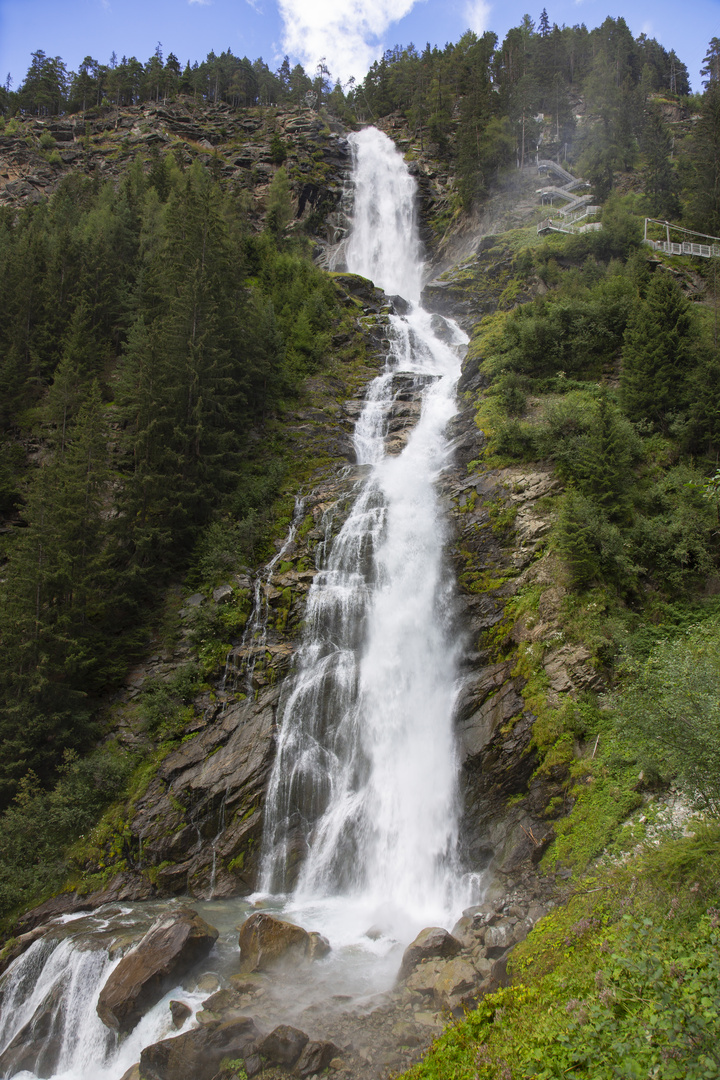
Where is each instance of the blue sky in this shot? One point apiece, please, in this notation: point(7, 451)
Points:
point(350, 34)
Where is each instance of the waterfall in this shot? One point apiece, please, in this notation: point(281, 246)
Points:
point(361, 811)
point(362, 798)
point(49, 1024)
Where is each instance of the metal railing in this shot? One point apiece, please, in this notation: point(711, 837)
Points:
point(705, 251)
point(553, 225)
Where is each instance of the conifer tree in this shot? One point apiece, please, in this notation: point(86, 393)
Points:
point(703, 179)
point(55, 606)
point(602, 466)
point(659, 177)
point(657, 354)
point(574, 539)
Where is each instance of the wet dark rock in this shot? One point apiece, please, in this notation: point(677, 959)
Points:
point(253, 1065)
point(315, 1057)
point(179, 1012)
point(400, 304)
point(197, 1054)
point(178, 941)
point(283, 1045)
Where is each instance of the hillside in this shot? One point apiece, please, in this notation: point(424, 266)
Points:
point(181, 374)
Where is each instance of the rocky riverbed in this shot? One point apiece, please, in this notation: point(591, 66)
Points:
point(258, 1001)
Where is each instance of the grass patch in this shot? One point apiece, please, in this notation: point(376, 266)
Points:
point(623, 980)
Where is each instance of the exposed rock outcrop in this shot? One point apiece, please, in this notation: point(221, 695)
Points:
point(430, 943)
point(210, 790)
point(209, 133)
point(266, 943)
point(170, 949)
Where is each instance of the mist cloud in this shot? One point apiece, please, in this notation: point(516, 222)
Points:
point(348, 33)
point(477, 15)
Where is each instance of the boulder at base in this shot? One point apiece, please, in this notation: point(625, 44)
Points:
point(197, 1054)
point(167, 952)
point(316, 1057)
point(266, 942)
point(431, 943)
point(283, 1045)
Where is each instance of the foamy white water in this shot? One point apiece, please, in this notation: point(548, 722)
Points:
point(361, 815)
point(49, 996)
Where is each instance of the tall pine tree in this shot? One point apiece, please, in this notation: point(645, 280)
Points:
point(657, 354)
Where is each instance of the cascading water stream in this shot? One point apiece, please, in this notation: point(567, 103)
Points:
point(48, 998)
point(362, 800)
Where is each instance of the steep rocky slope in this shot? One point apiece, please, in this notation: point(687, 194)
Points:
point(193, 823)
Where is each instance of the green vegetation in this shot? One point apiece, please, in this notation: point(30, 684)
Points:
point(150, 340)
point(157, 316)
point(153, 359)
point(41, 824)
point(621, 980)
point(477, 102)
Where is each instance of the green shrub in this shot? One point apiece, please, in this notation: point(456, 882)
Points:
point(671, 703)
point(165, 706)
point(39, 826)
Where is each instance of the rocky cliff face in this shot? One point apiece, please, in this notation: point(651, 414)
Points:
point(241, 146)
point(195, 824)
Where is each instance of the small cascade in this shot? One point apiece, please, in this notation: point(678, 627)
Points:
point(48, 1000)
point(242, 660)
point(49, 1024)
point(216, 839)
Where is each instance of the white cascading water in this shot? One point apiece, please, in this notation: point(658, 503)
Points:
point(361, 808)
point(50, 993)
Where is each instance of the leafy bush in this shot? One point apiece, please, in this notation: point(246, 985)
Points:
point(671, 702)
point(38, 827)
point(165, 706)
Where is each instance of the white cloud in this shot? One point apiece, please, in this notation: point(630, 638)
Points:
point(348, 33)
point(202, 3)
point(255, 5)
point(477, 16)
point(647, 28)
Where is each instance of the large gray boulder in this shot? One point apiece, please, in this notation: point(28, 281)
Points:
point(283, 1045)
point(431, 943)
point(267, 942)
point(169, 949)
